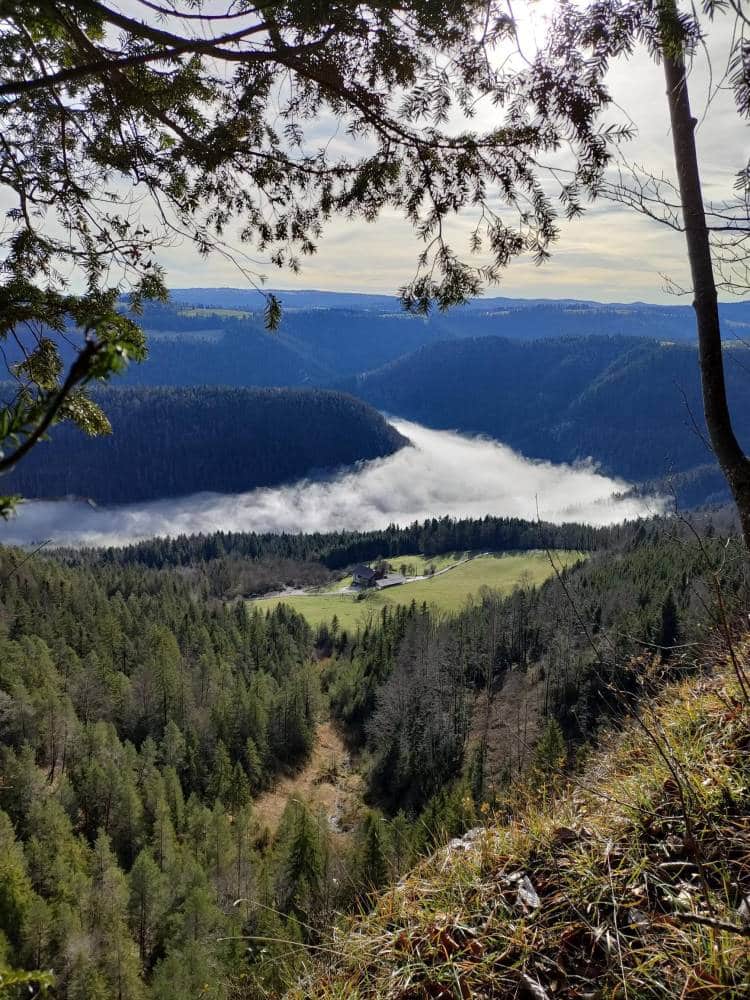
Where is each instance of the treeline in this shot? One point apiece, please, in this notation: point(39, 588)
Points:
point(171, 442)
point(632, 405)
point(245, 564)
point(234, 564)
point(339, 549)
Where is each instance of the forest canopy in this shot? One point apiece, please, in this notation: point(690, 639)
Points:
point(173, 442)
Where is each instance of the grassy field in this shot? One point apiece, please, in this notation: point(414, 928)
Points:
point(412, 565)
point(447, 592)
point(417, 565)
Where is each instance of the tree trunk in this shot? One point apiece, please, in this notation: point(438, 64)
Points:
point(734, 463)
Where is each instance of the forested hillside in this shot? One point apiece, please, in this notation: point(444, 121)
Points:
point(406, 691)
point(137, 725)
point(170, 442)
point(218, 336)
point(142, 718)
point(633, 406)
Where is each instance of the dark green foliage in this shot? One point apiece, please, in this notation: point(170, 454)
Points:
point(133, 713)
point(301, 871)
point(420, 720)
point(550, 752)
point(337, 550)
point(670, 625)
point(168, 442)
point(372, 851)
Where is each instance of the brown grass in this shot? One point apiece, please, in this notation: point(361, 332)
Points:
point(325, 782)
point(619, 874)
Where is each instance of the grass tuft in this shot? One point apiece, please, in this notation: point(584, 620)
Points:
point(630, 882)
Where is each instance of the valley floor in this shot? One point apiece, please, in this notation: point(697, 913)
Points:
point(446, 591)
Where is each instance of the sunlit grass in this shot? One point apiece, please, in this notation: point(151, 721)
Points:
point(447, 592)
point(623, 857)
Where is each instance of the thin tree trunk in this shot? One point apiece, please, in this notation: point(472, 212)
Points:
point(734, 463)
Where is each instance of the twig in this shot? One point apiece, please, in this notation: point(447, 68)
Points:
point(719, 925)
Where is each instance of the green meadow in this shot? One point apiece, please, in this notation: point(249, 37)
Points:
point(448, 591)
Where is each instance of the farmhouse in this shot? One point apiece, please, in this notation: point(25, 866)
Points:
point(363, 576)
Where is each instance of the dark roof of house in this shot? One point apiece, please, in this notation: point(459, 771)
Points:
point(363, 571)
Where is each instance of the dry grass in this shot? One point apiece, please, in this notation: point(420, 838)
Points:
point(325, 783)
point(589, 893)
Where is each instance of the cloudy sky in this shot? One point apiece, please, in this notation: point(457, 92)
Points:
point(612, 255)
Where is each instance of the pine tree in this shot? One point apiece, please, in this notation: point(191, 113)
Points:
point(401, 843)
point(302, 863)
point(372, 854)
point(221, 776)
point(238, 793)
point(253, 766)
point(550, 753)
point(670, 625)
point(16, 893)
point(37, 933)
point(146, 901)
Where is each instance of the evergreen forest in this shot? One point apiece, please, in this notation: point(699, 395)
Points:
point(143, 715)
point(173, 442)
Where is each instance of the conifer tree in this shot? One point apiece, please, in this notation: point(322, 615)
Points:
point(670, 625)
point(372, 853)
point(146, 901)
point(550, 752)
point(253, 766)
point(301, 869)
point(16, 893)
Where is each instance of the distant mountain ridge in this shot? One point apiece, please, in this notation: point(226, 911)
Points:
point(558, 380)
point(217, 336)
point(174, 442)
point(250, 299)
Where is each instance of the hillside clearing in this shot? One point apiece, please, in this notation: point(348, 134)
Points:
point(325, 783)
point(447, 592)
point(412, 565)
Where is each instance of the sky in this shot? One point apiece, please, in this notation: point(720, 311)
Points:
point(441, 473)
point(613, 254)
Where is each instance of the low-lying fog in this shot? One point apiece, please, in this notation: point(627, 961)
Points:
point(442, 473)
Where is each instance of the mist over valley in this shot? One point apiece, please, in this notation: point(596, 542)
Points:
point(439, 473)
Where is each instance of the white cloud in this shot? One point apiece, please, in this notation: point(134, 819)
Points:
point(441, 473)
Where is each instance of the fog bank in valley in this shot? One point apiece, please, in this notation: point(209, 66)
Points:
point(441, 473)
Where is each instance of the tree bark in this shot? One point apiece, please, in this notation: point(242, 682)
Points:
point(734, 463)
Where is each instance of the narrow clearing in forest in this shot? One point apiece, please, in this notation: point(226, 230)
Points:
point(326, 782)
